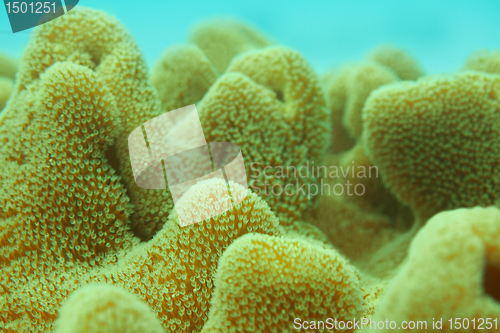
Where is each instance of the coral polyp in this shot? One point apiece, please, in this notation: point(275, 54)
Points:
point(369, 193)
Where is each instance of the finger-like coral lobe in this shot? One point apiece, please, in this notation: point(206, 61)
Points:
point(271, 105)
point(105, 47)
point(106, 308)
point(437, 141)
point(182, 76)
point(223, 39)
point(264, 283)
point(6, 86)
point(174, 272)
point(398, 60)
point(68, 197)
point(65, 208)
point(484, 61)
point(448, 273)
point(8, 67)
point(347, 89)
point(72, 217)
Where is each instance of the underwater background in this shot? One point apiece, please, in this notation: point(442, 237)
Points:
point(369, 134)
point(440, 34)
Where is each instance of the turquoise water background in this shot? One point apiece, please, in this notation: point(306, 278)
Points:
point(440, 34)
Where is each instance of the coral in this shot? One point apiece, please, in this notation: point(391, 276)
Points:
point(306, 232)
point(72, 217)
point(484, 61)
point(105, 309)
point(223, 39)
point(297, 113)
point(436, 141)
point(452, 271)
point(66, 207)
point(357, 233)
point(6, 86)
point(336, 85)
point(68, 196)
point(264, 283)
point(364, 78)
point(359, 214)
point(182, 76)
point(8, 67)
point(398, 60)
point(367, 189)
point(173, 273)
point(105, 47)
point(347, 90)
point(270, 104)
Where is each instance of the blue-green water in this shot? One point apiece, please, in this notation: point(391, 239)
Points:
point(440, 34)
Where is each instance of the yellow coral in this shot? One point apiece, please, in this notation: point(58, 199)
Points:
point(307, 232)
point(66, 207)
point(222, 39)
point(264, 283)
point(347, 90)
point(105, 308)
point(180, 262)
point(173, 273)
point(270, 103)
point(6, 86)
point(358, 233)
point(368, 190)
point(8, 67)
point(297, 114)
point(356, 211)
point(95, 40)
point(484, 61)
point(67, 197)
point(436, 141)
point(398, 60)
point(365, 77)
point(452, 271)
point(182, 76)
point(336, 86)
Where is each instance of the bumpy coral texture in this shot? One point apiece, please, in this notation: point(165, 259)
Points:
point(484, 61)
point(452, 271)
point(270, 104)
point(182, 76)
point(6, 86)
point(437, 141)
point(356, 210)
point(69, 207)
point(95, 40)
point(398, 60)
point(173, 273)
point(103, 308)
point(223, 39)
point(347, 89)
point(69, 182)
point(8, 67)
point(263, 283)
point(67, 222)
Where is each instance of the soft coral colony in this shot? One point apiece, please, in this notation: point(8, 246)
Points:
point(83, 249)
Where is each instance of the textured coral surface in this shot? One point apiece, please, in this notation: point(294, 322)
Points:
point(414, 235)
